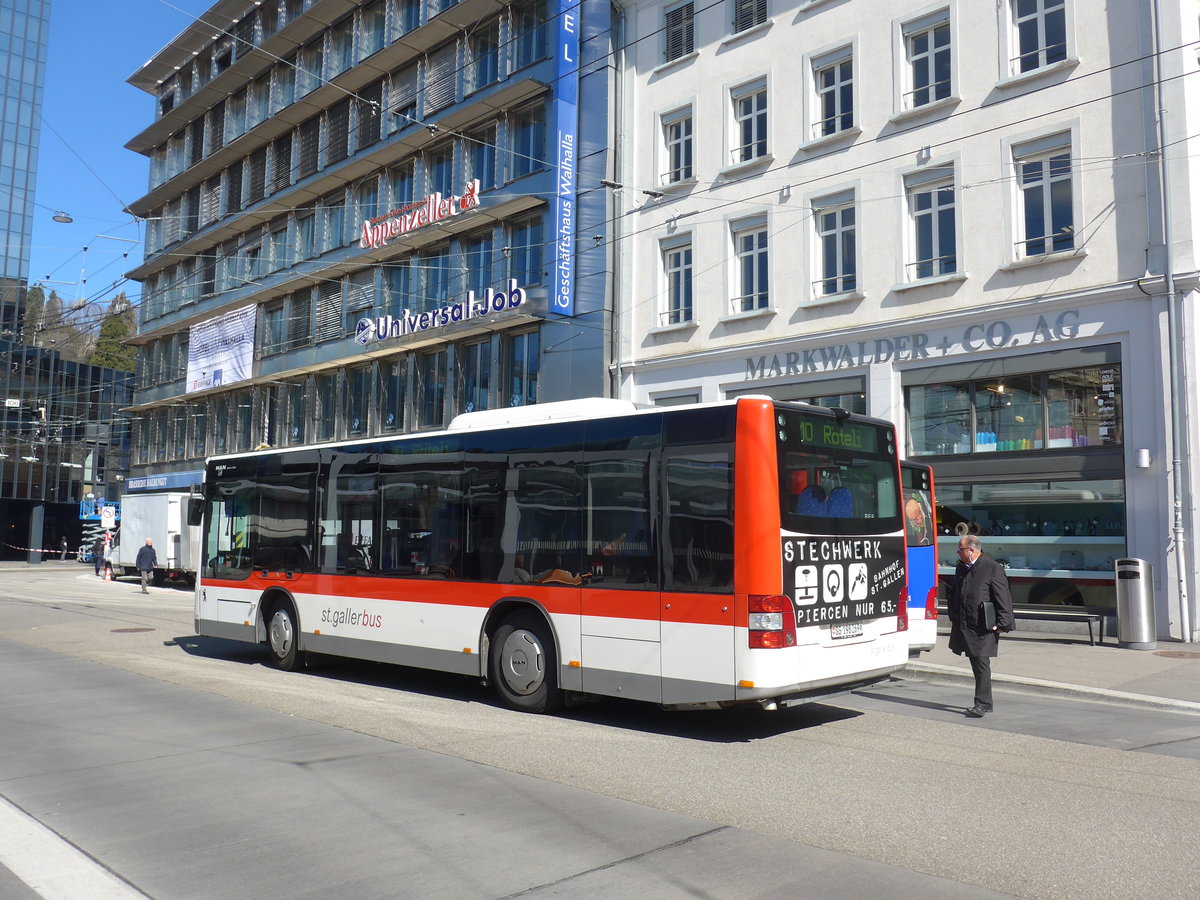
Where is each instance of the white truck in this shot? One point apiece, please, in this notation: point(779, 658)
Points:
point(162, 517)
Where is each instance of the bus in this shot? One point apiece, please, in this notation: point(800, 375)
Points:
point(739, 552)
point(920, 542)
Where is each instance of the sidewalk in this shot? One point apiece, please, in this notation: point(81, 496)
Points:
point(1166, 677)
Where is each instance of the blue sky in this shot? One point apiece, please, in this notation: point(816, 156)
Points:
point(88, 114)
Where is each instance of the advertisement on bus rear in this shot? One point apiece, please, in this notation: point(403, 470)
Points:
point(837, 580)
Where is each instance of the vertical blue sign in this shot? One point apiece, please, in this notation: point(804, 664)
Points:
point(566, 118)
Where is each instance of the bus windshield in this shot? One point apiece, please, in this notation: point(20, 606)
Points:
point(836, 477)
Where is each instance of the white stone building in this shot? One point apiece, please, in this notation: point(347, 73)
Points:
point(947, 214)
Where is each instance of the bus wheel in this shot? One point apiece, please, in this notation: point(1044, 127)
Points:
point(283, 637)
point(523, 665)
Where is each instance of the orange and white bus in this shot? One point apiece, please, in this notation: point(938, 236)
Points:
point(746, 551)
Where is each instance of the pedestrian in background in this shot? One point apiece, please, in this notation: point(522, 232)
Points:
point(146, 561)
point(979, 582)
point(63, 544)
point(98, 553)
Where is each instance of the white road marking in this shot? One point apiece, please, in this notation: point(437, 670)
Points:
point(51, 866)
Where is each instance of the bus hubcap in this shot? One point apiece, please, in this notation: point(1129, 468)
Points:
point(281, 633)
point(523, 664)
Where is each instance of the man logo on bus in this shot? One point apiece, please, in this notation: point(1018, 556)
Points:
point(858, 581)
point(834, 584)
point(807, 585)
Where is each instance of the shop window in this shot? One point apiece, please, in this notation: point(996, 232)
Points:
point(1008, 413)
point(1058, 540)
point(1077, 407)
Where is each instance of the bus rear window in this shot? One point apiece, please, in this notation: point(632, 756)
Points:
point(837, 478)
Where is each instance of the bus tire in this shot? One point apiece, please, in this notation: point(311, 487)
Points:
point(283, 637)
point(523, 665)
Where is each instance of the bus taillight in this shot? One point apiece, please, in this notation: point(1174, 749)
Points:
point(931, 603)
point(902, 611)
point(772, 621)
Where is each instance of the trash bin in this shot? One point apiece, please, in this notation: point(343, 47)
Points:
point(1135, 605)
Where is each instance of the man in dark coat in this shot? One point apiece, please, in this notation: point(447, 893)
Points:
point(98, 553)
point(978, 579)
point(146, 560)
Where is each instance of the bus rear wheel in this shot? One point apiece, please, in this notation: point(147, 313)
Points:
point(523, 665)
point(283, 637)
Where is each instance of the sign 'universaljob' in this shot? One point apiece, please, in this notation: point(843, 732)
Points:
point(493, 301)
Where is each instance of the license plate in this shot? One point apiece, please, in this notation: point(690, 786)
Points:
point(854, 629)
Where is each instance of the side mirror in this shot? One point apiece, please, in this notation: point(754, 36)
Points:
point(195, 510)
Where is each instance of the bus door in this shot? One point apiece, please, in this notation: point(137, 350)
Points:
point(619, 601)
point(698, 635)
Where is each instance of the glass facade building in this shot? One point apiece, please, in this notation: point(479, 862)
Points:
point(356, 221)
point(62, 435)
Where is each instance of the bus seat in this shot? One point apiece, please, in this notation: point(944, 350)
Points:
point(841, 503)
point(812, 502)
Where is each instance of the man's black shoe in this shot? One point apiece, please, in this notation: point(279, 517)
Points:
point(976, 712)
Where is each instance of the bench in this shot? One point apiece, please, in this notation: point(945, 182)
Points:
point(1092, 617)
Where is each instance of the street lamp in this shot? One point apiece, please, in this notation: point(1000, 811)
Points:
point(63, 217)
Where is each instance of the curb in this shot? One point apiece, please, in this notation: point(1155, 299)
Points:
point(930, 672)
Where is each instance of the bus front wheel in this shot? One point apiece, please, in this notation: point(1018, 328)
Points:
point(523, 664)
point(283, 637)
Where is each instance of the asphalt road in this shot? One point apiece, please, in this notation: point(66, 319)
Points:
point(184, 767)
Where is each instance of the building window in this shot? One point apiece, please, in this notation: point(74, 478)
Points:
point(834, 82)
point(480, 152)
point(305, 237)
point(749, 122)
point(750, 267)
point(521, 355)
point(274, 329)
point(1040, 29)
point(679, 31)
point(475, 376)
point(528, 141)
point(435, 275)
point(834, 218)
point(931, 210)
point(397, 279)
point(927, 47)
point(402, 96)
point(677, 266)
point(358, 384)
point(525, 252)
point(439, 168)
point(333, 222)
point(393, 378)
point(328, 403)
point(404, 185)
point(529, 33)
point(747, 14)
point(406, 15)
point(484, 63)
point(431, 389)
point(477, 261)
point(297, 411)
point(1047, 204)
point(677, 136)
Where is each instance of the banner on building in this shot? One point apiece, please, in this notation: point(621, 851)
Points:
point(221, 350)
point(566, 117)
